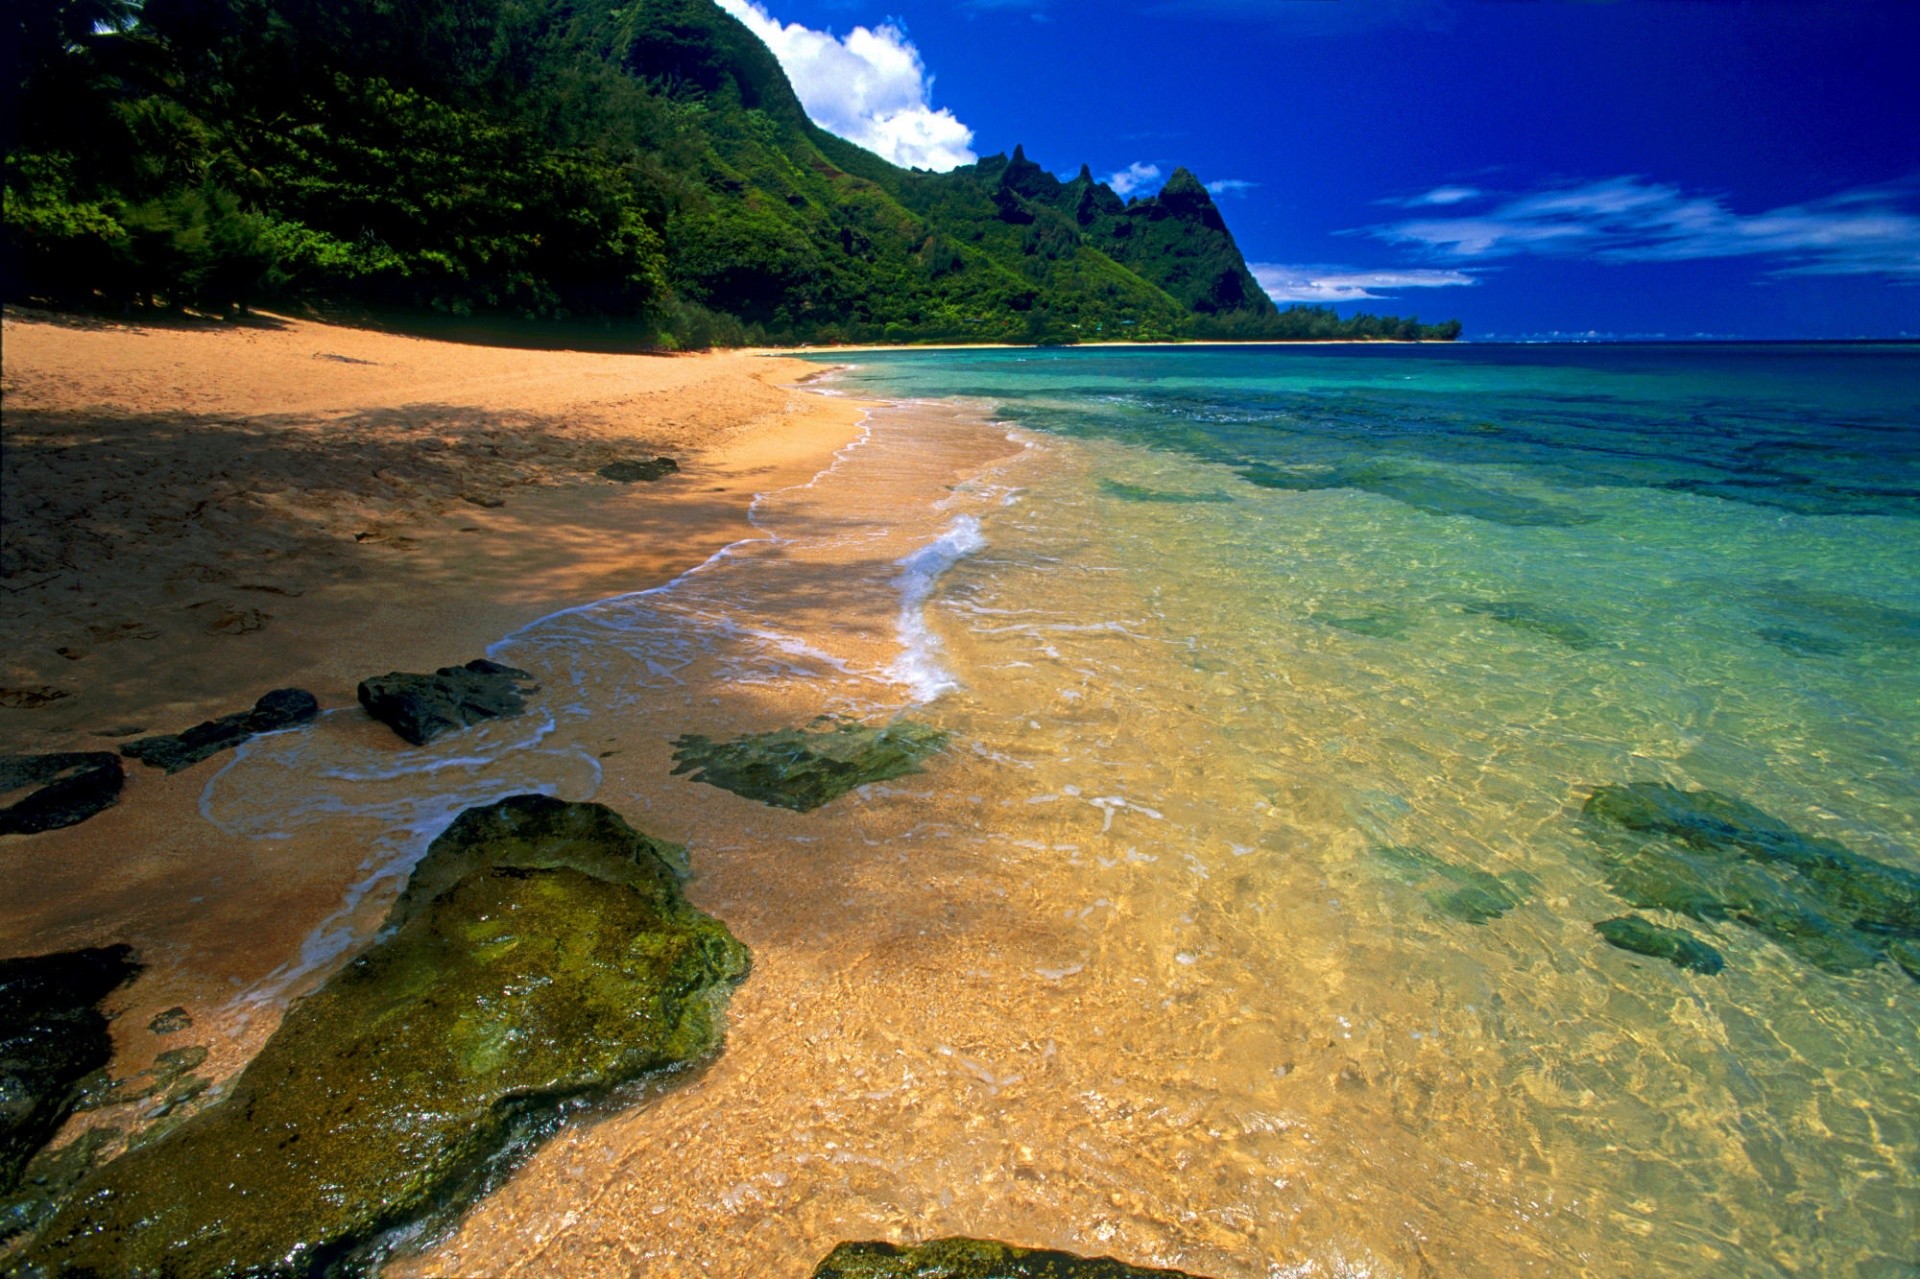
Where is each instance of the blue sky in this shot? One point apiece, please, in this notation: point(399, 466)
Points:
point(1635, 167)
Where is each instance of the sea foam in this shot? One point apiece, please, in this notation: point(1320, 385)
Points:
point(918, 666)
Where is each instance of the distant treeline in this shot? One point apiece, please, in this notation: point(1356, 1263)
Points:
point(645, 165)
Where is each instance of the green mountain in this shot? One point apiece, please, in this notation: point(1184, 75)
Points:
point(552, 159)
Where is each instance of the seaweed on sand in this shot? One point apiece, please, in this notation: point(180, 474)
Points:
point(974, 1259)
point(1711, 856)
point(543, 953)
point(804, 768)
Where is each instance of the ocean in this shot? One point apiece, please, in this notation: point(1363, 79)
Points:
point(1307, 709)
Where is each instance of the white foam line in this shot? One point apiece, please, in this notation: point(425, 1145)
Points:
point(919, 665)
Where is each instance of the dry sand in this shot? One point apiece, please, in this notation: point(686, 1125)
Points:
point(196, 514)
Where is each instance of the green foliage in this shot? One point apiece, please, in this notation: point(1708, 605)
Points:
point(555, 159)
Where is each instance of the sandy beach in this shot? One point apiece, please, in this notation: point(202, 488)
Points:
point(198, 513)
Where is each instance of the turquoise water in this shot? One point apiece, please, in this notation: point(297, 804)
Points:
point(1423, 662)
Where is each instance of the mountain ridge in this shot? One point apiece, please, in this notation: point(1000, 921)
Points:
point(647, 164)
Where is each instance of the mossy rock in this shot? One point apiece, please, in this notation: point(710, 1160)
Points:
point(52, 1038)
point(389, 1095)
point(803, 768)
point(974, 1259)
point(1465, 893)
point(1681, 949)
point(1712, 857)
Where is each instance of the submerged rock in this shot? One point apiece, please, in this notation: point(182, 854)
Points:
point(560, 961)
point(52, 1036)
point(1381, 624)
point(1682, 950)
point(69, 788)
point(1137, 493)
point(803, 768)
point(1466, 893)
point(1535, 620)
point(282, 708)
point(1711, 856)
point(422, 707)
point(974, 1259)
point(1424, 491)
point(630, 471)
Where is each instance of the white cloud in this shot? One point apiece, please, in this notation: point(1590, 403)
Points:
point(1444, 195)
point(1231, 186)
point(1327, 284)
point(1134, 177)
point(870, 88)
point(1871, 231)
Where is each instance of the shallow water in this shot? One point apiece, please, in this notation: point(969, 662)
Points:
point(1246, 923)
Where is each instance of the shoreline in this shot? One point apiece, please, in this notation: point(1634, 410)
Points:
point(195, 495)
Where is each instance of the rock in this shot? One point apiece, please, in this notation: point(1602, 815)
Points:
point(280, 709)
point(168, 1069)
point(630, 471)
point(974, 1259)
point(1466, 893)
point(71, 788)
point(1535, 620)
point(1682, 950)
point(49, 1178)
point(172, 1021)
point(422, 707)
point(803, 768)
point(1137, 493)
point(560, 962)
point(52, 1036)
point(1711, 856)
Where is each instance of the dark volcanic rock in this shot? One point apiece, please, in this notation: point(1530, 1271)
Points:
point(422, 707)
point(628, 471)
point(974, 1259)
point(1710, 856)
point(1682, 950)
point(803, 768)
point(70, 788)
point(282, 708)
point(559, 961)
point(51, 1037)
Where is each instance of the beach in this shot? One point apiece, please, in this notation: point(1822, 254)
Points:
point(199, 513)
point(1243, 918)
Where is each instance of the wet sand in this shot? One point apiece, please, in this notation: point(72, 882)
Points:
point(196, 514)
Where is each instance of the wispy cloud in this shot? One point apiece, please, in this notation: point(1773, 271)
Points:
point(1231, 186)
point(870, 87)
point(1442, 196)
point(1134, 177)
point(1868, 231)
point(1328, 284)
